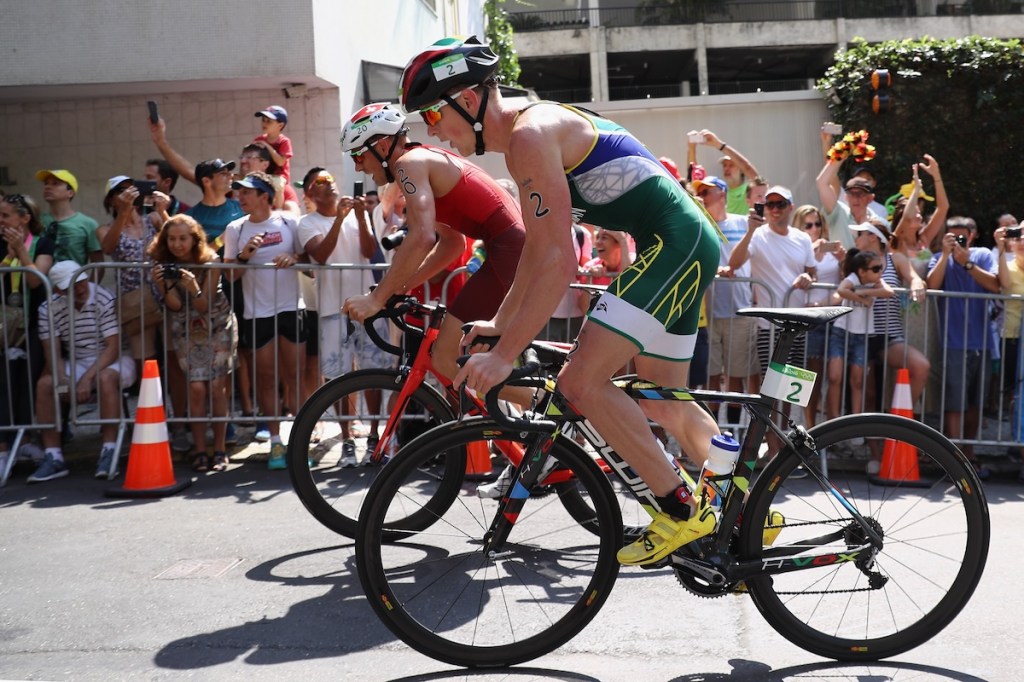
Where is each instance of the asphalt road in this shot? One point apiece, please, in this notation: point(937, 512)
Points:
point(232, 579)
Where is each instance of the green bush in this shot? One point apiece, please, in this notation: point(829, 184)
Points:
point(498, 35)
point(960, 100)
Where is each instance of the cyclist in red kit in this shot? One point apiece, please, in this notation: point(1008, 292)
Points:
point(448, 199)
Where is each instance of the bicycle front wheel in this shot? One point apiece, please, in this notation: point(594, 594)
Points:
point(437, 589)
point(331, 441)
point(934, 525)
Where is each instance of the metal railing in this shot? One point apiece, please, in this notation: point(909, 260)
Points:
point(1002, 421)
point(667, 14)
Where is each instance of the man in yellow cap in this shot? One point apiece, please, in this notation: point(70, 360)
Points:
point(73, 233)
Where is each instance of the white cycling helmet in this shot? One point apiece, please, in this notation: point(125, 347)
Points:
point(379, 118)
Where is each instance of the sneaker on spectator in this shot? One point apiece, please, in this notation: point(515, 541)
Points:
point(371, 447)
point(348, 454)
point(277, 459)
point(497, 489)
point(262, 434)
point(231, 435)
point(103, 469)
point(50, 469)
point(180, 442)
point(31, 451)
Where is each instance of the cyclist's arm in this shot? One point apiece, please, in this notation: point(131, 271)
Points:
point(548, 263)
point(450, 245)
point(413, 178)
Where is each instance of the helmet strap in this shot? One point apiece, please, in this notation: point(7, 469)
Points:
point(384, 160)
point(478, 122)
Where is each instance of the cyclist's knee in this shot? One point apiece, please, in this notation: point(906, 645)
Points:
point(576, 385)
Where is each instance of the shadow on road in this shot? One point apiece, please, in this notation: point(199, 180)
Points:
point(331, 625)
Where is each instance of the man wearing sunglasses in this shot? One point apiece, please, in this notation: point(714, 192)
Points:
point(572, 164)
point(447, 199)
point(860, 194)
point(782, 257)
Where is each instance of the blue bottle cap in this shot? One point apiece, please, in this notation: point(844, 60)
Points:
point(725, 442)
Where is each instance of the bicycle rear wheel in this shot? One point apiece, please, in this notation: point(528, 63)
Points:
point(438, 591)
point(328, 458)
point(935, 543)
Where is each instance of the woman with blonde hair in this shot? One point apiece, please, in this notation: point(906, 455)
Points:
point(203, 328)
point(830, 255)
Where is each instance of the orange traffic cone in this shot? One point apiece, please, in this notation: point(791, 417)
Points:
point(150, 471)
point(899, 459)
point(478, 460)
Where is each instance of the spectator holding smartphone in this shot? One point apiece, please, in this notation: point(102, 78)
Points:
point(1011, 281)
point(126, 239)
point(736, 168)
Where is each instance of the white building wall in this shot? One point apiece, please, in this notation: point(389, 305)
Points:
point(76, 76)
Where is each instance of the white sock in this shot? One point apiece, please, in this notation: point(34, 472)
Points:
point(57, 453)
point(275, 440)
point(110, 445)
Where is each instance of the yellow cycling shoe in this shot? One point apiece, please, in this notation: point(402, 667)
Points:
point(665, 535)
point(772, 527)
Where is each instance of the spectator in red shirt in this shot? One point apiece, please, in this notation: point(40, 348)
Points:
point(273, 119)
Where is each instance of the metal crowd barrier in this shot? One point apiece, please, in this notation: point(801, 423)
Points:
point(1003, 427)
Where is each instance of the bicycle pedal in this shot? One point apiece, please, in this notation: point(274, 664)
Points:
point(661, 563)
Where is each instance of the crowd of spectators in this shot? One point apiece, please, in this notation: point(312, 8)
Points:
point(220, 294)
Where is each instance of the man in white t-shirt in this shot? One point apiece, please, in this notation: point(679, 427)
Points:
point(782, 257)
point(271, 324)
point(333, 235)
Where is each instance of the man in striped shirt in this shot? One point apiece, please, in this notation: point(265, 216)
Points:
point(99, 368)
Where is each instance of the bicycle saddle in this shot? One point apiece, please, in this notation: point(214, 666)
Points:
point(805, 318)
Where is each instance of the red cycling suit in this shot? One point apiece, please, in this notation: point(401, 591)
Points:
point(480, 209)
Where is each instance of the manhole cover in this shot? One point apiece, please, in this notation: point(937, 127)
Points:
point(198, 568)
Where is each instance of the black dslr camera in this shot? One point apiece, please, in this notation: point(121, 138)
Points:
point(172, 272)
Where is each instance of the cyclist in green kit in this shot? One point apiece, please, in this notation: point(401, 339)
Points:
point(571, 165)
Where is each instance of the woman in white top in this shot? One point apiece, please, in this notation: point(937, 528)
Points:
point(829, 255)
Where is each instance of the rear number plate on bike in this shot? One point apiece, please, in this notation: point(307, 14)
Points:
point(788, 383)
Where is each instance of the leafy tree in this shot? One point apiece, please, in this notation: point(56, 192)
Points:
point(499, 36)
point(960, 100)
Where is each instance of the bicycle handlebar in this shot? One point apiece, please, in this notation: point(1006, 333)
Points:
point(528, 370)
point(397, 307)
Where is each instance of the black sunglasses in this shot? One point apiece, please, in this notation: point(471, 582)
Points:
point(16, 199)
point(808, 225)
point(874, 268)
point(777, 205)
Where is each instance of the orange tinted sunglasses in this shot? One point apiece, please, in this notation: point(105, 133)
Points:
point(432, 115)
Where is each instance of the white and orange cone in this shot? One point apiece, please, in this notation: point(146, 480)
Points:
point(899, 459)
point(150, 470)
